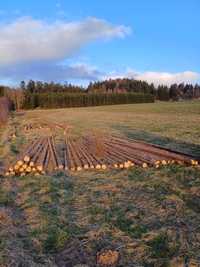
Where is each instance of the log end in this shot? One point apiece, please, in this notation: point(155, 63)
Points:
point(86, 166)
point(126, 165)
point(121, 166)
point(98, 166)
point(40, 168)
point(79, 168)
point(26, 159)
point(20, 163)
point(144, 165)
point(31, 164)
point(16, 167)
point(104, 167)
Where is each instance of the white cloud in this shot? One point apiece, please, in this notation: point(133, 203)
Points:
point(169, 78)
point(35, 49)
point(84, 73)
point(165, 78)
point(30, 40)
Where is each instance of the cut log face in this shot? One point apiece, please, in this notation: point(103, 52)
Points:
point(26, 159)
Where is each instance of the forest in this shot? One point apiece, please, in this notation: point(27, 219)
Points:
point(162, 92)
point(34, 94)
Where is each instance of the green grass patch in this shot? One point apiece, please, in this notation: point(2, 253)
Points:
point(161, 248)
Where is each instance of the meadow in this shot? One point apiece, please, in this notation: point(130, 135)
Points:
point(151, 217)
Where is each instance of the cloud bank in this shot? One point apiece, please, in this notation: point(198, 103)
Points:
point(164, 78)
point(29, 40)
point(35, 49)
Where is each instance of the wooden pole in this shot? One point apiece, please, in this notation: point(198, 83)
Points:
point(74, 154)
point(69, 156)
point(58, 160)
point(52, 155)
point(157, 150)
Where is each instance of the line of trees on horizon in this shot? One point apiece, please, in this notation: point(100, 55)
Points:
point(162, 92)
point(173, 92)
point(119, 88)
point(69, 100)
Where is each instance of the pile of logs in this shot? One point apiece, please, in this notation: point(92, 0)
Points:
point(94, 152)
point(49, 126)
point(37, 158)
point(30, 126)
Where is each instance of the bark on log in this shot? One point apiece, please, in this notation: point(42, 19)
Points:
point(146, 157)
point(88, 156)
point(127, 157)
point(71, 164)
point(97, 162)
point(38, 151)
point(157, 150)
point(58, 160)
point(46, 163)
point(42, 157)
point(81, 155)
point(52, 159)
point(77, 161)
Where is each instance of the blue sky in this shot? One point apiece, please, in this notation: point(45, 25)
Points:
point(82, 41)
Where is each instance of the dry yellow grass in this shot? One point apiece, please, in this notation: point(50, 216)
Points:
point(179, 121)
point(75, 218)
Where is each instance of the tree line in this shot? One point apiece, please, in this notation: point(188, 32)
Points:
point(68, 100)
point(162, 92)
point(38, 87)
point(34, 94)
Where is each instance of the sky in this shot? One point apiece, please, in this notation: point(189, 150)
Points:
point(83, 41)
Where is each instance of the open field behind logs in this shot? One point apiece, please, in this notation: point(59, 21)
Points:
point(113, 217)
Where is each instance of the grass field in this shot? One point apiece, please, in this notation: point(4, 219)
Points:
point(150, 216)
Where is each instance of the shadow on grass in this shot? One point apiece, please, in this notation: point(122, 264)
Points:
point(189, 148)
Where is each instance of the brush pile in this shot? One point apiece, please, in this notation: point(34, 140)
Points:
point(94, 152)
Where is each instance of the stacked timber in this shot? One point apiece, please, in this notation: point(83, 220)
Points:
point(38, 157)
point(35, 126)
point(50, 126)
point(156, 155)
point(94, 152)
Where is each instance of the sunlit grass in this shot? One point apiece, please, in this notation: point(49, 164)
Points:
point(151, 216)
